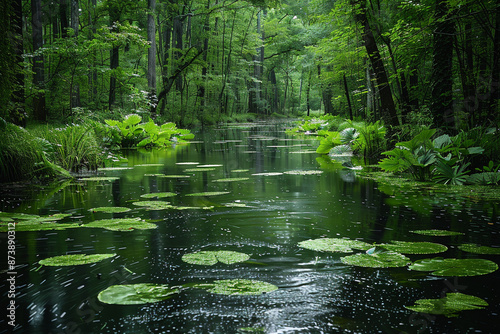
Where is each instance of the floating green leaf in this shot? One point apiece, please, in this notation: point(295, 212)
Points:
point(159, 195)
point(29, 222)
point(187, 163)
point(455, 267)
point(149, 165)
point(209, 193)
point(154, 205)
point(208, 166)
point(121, 224)
point(437, 233)
point(74, 259)
point(450, 305)
point(478, 249)
point(240, 170)
point(173, 176)
point(210, 258)
point(189, 170)
point(238, 287)
point(113, 168)
point(377, 260)
point(132, 294)
point(268, 174)
point(406, 247)
point(110, 209)
point(232, 179)
point(99, 178)
point(334, 245)
point(304, 172)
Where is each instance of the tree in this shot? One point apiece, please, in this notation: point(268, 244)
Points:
point(39, 107)
point(151, 74)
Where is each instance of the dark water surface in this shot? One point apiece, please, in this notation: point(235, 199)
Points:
point(317, 293)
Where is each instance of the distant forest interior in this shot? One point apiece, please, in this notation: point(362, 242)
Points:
point(205, 61)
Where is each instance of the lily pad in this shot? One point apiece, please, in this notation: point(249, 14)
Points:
point(133, 294)
point(478, 249)
point(113, 168)
point(455, 267)
point(450, 305)
point(173, 176)
point(30, 225)
point(110, 209)
point(206, 169)
point(74, 259)
point(208, 166)
point(304, 172)
point(334, 245)
point(406, 247)
point(209, 193)
point(122, 224)
point(99, 178)
point(268, 174)
point(154, 205)
point(437, 233)
point(159, 195)
point(238, 287)
point(210, 258)
point(240, 170)
point(232, 179)
point(386, 259)
point(148, 165)
point(187, 163)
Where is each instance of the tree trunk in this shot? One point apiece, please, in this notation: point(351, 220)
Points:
point(18, 92)
point(75, 23)
point(388, 112)
point(495, 72)
point(63, 17)
point(347, 95)
point(114, 62)
point(39, 107)
point(442, 65)
point(151, 74)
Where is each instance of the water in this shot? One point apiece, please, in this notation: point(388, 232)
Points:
point(317, 293)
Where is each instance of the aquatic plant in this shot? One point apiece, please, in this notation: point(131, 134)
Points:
point(29, 222)
point(208, 193)
point(232, 179)
point(110, 209)
point(154, 205)
point(121, 224)
point(74, 259)
point(99, 178)
point(133, 294)
point(210, 258)
point(238, 287)
point(387, 259)
point(406, 247)
point(437, 233)
point(159, 195)
point(449, 305)
point(455, 267)
point(334, 245)
point(478, 249)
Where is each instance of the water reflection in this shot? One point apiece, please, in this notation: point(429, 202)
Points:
point(317, 293)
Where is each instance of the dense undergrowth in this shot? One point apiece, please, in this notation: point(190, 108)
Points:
point(44, 152)
point(421, 154)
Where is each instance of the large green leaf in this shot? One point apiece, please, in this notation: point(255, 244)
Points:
point(437, 233)
point(238, 287)
point(74, 259)
point(154, 205)
point(386, 259)
point(455, 267)
point(477, 249)
point(110, 209)
point(450, 305)
point(334, 245)
point(159, 195)
point(212, 257)
point(131, 294)
point(406, 247)
point(122, 224)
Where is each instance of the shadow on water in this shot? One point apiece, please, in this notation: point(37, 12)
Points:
point(265, 213)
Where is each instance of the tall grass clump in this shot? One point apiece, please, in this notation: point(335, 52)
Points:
point(73, 147)
point(23, 157)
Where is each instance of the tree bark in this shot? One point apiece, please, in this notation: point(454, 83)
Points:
point(495, 72)
point(63, 17)
point(39, 107)
point(442, 66)
point(388, 112)
point(347, 95)
point(75, 24)
point(151, 74)
point(18, 92)
point(114, 17)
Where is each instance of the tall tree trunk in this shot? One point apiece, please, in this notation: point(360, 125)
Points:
point(347, 95)
point(39, 107)
point(204, 69)
point(254, 100)
point(75, 23)
point(178, 45)
point(495, 72)
point(18, 92)
point(152, 57)
point(442, 66)
point(388, 112)
point(63, 17)
point(114, 62)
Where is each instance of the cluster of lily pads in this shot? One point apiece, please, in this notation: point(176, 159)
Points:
point(392, 255)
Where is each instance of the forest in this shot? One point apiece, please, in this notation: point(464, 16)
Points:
point(408, 65)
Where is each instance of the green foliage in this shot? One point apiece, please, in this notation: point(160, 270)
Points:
point(210, 258)
point(74, 259)
point(450, 305)
point(334, 245)
point(455, 267)
point(24, 156)
point(133, 294)
point(238, 287)
point(478, 249)
point(385, 259)
point(132, 133)
point(437, 233)
point(406, 247)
